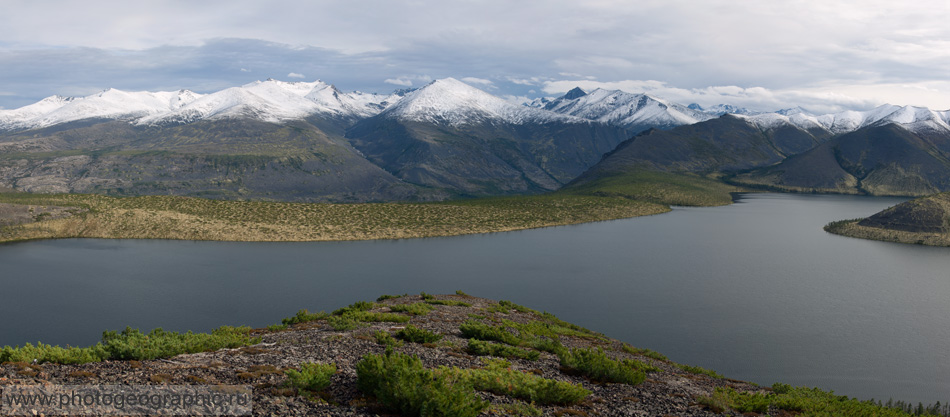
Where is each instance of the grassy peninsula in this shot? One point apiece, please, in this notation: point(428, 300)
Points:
point(175, 217)
point(436, 355)
point(921, 221)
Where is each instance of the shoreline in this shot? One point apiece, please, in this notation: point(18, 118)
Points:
point(457, 334)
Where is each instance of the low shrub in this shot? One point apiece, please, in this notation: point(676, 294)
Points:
point(416, 335)
point(355, 307)
point(499, 378)
point(133, 344)
point(311, 376)
point(480, 348)
point(414, 309)
point(595, 364)
point(698, 370)
point(303, 316)
point(645, 352)
point(385, 339)
point(472, 329)
point(400, 382)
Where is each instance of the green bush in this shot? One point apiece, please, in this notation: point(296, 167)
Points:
point(303, 316)
point(505, 306)
point(133, 344)
point(401, 383)
point(355, 307)
point(499, 379)
point(480, 348)
point(414, 309)
point(472, 329)
point(415, 335)
point(385, 339)
point(645, 352)
point(311, 376)
point(800, 400)
point(55, 354)
point(698, 370)
point(385, 297)
point(595, 365)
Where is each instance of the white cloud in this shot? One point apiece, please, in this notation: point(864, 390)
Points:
point(474, 80)
point(245, 70)
point(296, 75)
point(399, 81)
point(785, 46)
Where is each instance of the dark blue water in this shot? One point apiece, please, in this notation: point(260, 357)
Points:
point(755, 290)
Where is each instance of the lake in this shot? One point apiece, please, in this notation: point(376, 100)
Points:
point(756, 290)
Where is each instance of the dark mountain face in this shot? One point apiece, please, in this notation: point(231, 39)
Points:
point(489, 157)
point(232, 158)
point(877, 160)
point(724, 144)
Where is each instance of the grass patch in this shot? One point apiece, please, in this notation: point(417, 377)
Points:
point(480, 348)
point(505, 306)
point(416, 335)
point(385, 297)
point(595, 364)
point(132, 344)
point(698, 370)
point(472, 329)
point(356, 307)
point(311, 376)
point(400, 382)
point(303, 316)
point(414, 309)
point(173, 217)
point(383, 338)
point(645, 352)
point(803, 401)
point(678, 189)
point(499, 378)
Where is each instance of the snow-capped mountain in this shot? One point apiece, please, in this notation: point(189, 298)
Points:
point(275, 101)
point(450, 101)
point(915, 119)
point(721, 109)
point(446, 101)
point(109, 104)
point(270, 100)
point(634, 112)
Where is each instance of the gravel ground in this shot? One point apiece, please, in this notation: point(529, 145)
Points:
point(671, 392)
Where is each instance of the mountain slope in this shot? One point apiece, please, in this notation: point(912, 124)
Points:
point(728, 143)
point(885, 159)
point(453, 136)
point(228, 158)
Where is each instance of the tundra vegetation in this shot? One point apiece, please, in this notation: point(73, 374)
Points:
point(526, 363)
point(191, 218)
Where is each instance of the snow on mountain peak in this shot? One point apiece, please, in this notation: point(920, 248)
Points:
point(453, 102)
point(631, 111)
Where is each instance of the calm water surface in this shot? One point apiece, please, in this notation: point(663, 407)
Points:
point(755, 290)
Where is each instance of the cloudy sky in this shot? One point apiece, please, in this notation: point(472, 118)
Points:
point(818, 54)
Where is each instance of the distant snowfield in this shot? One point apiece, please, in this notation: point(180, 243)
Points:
point(446, 101)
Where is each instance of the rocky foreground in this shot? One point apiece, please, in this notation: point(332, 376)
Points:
point(671, 391)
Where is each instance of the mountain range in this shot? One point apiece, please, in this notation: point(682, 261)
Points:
point(309, 141)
